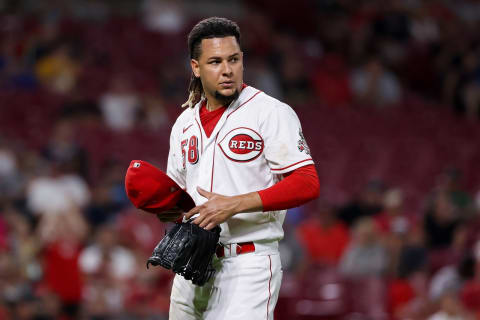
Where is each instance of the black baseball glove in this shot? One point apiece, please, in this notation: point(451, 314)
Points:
point(187, 250)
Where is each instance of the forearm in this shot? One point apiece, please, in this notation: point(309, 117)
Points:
point(248, 202)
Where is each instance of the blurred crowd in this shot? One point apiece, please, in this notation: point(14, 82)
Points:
point(87, 86)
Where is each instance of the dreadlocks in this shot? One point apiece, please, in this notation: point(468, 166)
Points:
point(213, 27)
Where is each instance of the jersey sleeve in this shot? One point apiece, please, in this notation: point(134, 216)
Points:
point(285, 147)
point(175, 160)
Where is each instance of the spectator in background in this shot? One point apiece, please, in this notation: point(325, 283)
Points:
point(58, 71)
point(331, 81)
point(120, 104)
point(48, 306)
point(408, 289)
point(63, 150)
point(391, 31)
point(365, 256)
point(108, 195)
point(107, 266)
point(292, 73)
point(413, 255)
point(164, 16)
point(368, 203)
point(441, 221)
point(81, 110)
point(469, 84)
point(260, 75)
point(451, 309)
point(56, 192)
point(449, 182)
point(451, 278)
point(393, 219)
point(374, 85)
point(43, 41)
point(155, 115)
point(468, 10)
point(423, 27)
point(394, 226)
point(294, 82)
point(14, 72)
point(470, 292)
point(106, 257)
point(11, 180)
point(324, 237)
point(22, 243)
point(393, 21)
point(16, 291)
point(446, 232)
point(172, 81)
point(62, 235)
point(460, 69)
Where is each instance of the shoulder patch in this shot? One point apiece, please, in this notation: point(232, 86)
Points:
point(302, 143)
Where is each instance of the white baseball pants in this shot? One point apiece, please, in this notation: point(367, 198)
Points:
point(244, 287)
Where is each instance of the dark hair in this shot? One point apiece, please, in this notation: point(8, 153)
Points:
point(213, 27)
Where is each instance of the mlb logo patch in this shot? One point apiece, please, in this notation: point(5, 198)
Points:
point(136, 164)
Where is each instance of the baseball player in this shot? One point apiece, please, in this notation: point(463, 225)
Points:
point(241, 155)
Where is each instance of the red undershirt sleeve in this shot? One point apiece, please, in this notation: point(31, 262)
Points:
point(298, 187)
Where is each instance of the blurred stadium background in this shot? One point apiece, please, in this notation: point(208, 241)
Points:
point(388, 92)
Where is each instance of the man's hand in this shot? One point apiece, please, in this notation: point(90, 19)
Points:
point(220, 208)
point(170, 215)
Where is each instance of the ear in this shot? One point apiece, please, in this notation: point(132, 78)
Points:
point(195, 67)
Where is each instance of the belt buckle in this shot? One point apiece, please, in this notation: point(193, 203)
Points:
point(233, 250)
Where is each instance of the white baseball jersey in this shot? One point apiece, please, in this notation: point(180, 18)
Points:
point(257, 139)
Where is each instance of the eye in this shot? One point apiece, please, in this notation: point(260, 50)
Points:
point(234, 59)
point(214, 62)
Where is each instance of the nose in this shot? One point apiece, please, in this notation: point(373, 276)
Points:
point(227, 69)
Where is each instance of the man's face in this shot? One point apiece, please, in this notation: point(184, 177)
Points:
point(220, 67)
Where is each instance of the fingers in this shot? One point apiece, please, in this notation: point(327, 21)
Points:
point(204, 193)
point(192, 212)
point(206, 222)
point(205, 217)
point(210, 226)
point(202, 220)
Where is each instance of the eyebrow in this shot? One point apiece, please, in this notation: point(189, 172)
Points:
point(231, 56)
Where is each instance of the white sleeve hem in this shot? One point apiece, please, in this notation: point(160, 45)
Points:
point(292, 166)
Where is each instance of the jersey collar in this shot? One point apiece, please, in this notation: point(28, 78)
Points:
point(245, 95)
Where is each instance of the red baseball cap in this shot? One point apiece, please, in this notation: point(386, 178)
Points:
point(150, 189)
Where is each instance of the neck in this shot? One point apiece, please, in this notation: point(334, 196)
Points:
point(213, 104)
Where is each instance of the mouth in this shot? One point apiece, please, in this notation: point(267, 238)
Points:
point(227, 84)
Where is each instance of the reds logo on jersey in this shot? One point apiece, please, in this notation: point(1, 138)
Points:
point(242, 145)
